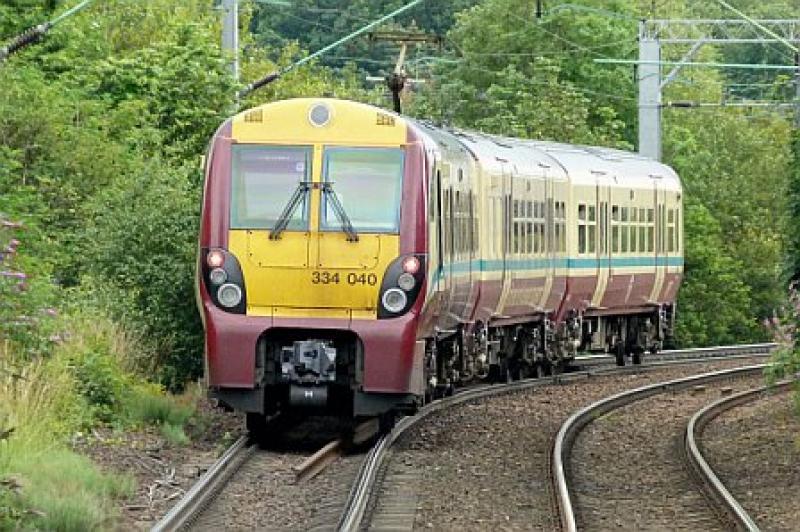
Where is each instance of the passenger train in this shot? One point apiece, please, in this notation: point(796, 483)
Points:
point(354, 261)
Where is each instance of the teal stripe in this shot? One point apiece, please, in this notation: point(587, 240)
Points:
point(572, 263)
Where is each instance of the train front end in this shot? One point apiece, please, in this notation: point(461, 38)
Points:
point(311, 264)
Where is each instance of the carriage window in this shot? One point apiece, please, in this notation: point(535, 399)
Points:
point(561, 226)
point(357, 173)
point(603, 229)
point(671, 230)
point(581, 228)
point(264, 180)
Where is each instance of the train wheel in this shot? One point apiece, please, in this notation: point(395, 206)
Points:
point(257, 427)
point(386, 421)
point(619, 354)
point(544, 368)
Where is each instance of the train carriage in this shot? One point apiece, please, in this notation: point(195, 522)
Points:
point(355, 261)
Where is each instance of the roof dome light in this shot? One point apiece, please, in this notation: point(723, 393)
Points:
point(319, 115)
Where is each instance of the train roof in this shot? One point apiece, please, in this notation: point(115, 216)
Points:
point(579, 164)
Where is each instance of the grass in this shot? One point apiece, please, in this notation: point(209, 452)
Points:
point(148, 405)
point(57, 489)
point(95, 377)
point(43, 484)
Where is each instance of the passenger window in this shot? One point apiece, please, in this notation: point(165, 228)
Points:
point(624, 246)
point(642, 236)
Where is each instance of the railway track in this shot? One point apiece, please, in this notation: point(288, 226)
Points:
point(657, 490)
point(353, 516)
point(715, 487)
point(197, 509)
point(242, 452)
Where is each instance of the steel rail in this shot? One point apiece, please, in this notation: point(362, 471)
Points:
point(361, 491)
point(206, 487)
point(680, 354)
point(698, 462)
point(575, 423)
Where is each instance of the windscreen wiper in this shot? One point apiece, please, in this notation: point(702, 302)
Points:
point(338, 210)
point(283, 220)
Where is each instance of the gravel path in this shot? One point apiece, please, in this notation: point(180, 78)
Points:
point(755, 450)
point(485, 465)
point(628, 469)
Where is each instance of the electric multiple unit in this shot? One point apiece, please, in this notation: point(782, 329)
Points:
point(355, 261)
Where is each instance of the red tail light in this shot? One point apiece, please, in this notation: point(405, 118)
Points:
point(215, 258)
point(411, 265)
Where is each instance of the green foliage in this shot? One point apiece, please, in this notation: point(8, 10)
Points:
point(56, 489)
point(737, 169)
point(316, 23)
point(794, 206)
point(713, 299)
point(535, 80)
point(141, 248)
point(150, 406)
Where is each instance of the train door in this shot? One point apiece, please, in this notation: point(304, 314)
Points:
point(436, 230)
point(551, 245)
point(659, 248)
point(507, 263)
point(603, 200)
point(448, 242)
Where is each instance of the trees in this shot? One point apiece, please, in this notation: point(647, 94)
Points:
point(538, 79)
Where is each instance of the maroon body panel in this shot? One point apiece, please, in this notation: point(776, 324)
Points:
point(669, 290)
point(214, 221)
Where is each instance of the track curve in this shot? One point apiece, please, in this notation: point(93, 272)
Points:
point(704, 471)
point(576, 422)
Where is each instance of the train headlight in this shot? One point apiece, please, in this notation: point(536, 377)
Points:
point(229, 295)
point(394, 300)
point(406, 281)
point(218, 276)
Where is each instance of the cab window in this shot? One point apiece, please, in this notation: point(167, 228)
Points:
point(263, 181)
point(368, 183)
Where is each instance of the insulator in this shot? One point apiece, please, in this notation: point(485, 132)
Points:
point(26, 39)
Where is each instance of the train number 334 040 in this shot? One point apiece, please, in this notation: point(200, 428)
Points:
point(352, 279)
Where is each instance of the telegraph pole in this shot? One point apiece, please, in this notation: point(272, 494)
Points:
point(649, 81)
point(230, 34)
point(655, 33)
point(396, 81)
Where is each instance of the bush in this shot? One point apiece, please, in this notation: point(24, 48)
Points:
point(144, 249)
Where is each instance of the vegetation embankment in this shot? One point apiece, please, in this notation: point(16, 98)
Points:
point(103, 125)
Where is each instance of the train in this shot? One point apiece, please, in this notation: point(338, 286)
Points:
point(356, 262)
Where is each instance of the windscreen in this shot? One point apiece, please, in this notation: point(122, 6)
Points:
point(264, 179)
point(368, 183)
